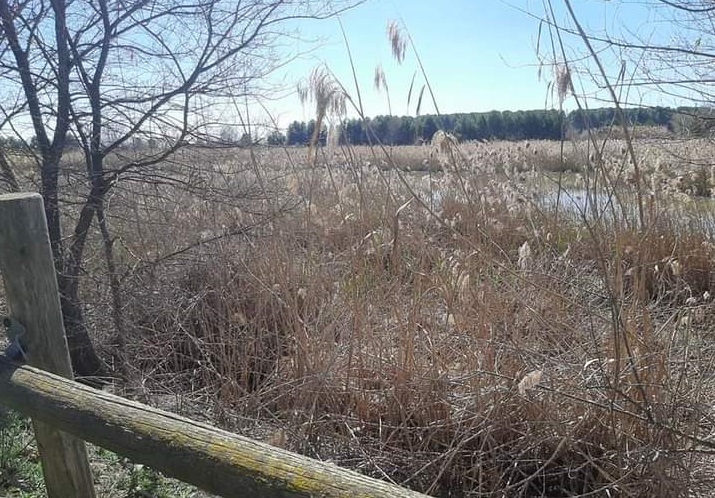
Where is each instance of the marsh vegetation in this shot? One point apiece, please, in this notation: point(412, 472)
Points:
point(474, 318)
point(449, 321)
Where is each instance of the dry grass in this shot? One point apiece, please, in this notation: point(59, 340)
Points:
point(454, 318)
point(422, 342)
point(446, 329)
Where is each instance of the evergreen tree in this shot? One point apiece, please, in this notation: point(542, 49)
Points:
point(276, 138)
point(297, 134)
point(429, 128)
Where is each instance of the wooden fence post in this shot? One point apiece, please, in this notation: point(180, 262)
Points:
point(33, 300)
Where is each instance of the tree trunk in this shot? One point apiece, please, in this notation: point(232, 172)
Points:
point(118, 344)
point(87, 366)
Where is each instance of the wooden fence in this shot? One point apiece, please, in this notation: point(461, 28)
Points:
point(66, 413)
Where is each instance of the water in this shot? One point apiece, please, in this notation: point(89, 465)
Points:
point(581, 202)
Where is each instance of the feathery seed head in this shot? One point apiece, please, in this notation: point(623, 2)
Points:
point(564, 85)
point(380, 80)
point(325, 92)
point(397, 40)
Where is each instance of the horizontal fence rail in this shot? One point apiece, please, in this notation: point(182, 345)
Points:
point(217, 461)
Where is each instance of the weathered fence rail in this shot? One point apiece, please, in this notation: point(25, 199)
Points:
point(217, 461)
point(70, 413)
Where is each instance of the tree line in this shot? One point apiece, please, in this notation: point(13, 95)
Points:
point(495, 125)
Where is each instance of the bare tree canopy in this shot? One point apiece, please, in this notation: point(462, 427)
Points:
point(666, 54)
point(103, 75)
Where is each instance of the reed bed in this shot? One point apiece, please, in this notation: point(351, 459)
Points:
point(451, 328)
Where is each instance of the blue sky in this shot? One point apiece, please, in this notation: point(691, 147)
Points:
point(479, 55)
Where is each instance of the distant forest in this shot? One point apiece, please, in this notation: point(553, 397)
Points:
point(498, 125)
point(494, 125)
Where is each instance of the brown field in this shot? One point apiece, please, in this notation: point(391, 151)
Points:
point(455, 321)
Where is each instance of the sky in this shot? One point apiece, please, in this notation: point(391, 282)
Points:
point(479, 55)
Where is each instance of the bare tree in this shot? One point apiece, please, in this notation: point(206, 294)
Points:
point(106, 74)
point(670, 51)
